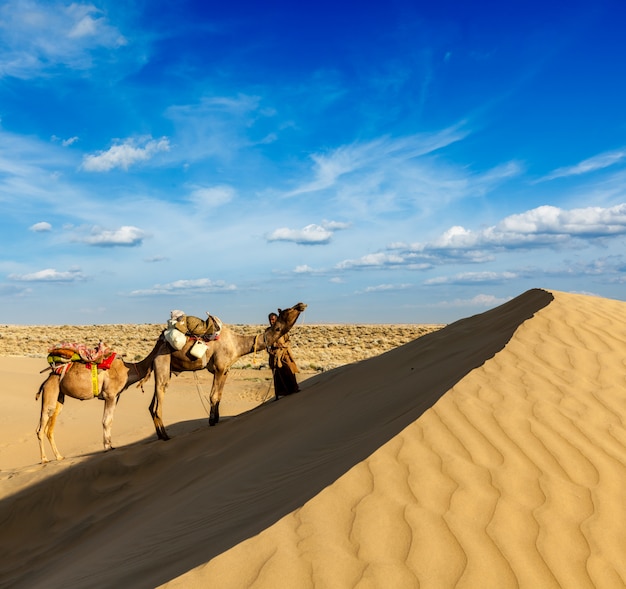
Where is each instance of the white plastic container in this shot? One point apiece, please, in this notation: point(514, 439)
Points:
point(198, 349)
point(175, 338)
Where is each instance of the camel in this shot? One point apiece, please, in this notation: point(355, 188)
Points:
point(77, 383)
point(218, 358)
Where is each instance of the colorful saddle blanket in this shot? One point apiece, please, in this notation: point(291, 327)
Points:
point(102, 356)
point(62, 356)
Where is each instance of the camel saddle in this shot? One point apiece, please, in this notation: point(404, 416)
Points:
point(62, 356)
point(102, 356)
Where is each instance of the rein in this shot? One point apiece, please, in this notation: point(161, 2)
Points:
point(199, 389)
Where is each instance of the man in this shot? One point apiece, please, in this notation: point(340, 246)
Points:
point(282, 364)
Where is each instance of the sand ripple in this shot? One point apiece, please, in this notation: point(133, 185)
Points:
point(515, 478)
point(490, 454)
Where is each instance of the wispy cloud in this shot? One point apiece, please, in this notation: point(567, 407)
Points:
point(473, 278)
point(36, 37)
point(387, 287)
point(329, 167)
point(64, 142)
point(597, 162)
point(125, 154)
point(219, 126)
point(480, 300)
point(156, 259)
point(50, 275)
point(209, 197)
point(199, 285)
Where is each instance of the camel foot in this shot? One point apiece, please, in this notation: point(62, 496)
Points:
point(47, 460)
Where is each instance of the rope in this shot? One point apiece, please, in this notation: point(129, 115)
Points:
point(269, 388)
point(199, 389)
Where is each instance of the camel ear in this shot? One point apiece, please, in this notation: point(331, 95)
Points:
point(280, 311)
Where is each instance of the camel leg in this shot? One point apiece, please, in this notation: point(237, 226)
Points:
point(51, 424)
point(51, 405)
point(107, 420)
point(156, 407)
point(219, 379)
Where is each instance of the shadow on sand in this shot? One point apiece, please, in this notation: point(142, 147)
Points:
point(148, 512)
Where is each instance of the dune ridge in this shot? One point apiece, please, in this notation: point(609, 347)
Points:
point(489, 453)
point(514, 478)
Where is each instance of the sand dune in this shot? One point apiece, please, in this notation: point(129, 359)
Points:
point(490, 453)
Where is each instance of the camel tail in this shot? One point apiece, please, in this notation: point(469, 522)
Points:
point(40, 389)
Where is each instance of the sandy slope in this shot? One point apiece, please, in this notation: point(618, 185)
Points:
point(490, 453)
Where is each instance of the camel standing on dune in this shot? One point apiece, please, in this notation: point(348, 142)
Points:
point(77, 383)
point(220, 355)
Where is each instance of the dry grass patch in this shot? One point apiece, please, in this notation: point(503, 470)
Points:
point(315, 347)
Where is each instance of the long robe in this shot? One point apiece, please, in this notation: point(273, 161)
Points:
point(283, 367)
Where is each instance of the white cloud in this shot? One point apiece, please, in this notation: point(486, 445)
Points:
point(548, 220)
point(127, 236)
point(373, 260)
point(309, 235)
point(49, 275)
point(597, 162)
point(125, 154)
point(303, 269)
point(36, 37)
point(41, 227)
point(545, 226)
point(187, 286)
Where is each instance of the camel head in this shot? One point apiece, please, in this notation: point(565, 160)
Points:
point(286, 320)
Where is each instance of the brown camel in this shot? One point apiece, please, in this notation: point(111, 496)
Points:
point(218, 358)
point(77, 383)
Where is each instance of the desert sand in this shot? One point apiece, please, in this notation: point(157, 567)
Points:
point(490, 453)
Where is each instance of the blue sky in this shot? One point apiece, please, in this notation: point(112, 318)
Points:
point(405, 161)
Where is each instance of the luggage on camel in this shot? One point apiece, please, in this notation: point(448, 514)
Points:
point(180, 325)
